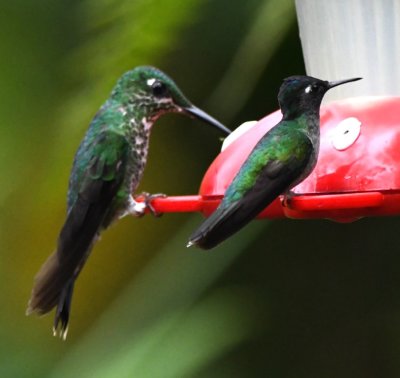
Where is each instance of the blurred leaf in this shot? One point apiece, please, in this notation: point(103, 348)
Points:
point(181, 342)
point(266, 34)
point(154, 307)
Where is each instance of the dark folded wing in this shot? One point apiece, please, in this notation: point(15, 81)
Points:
point(101, 180)
point(245, 198)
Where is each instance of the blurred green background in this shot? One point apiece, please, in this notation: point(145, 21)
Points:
point(280, 299)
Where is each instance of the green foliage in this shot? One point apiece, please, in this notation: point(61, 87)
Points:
point(264, 37)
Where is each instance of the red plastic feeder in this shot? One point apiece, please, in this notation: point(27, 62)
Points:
point(357, 174)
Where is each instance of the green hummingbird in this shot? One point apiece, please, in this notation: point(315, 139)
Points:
point(107, 169)
point(281, 159)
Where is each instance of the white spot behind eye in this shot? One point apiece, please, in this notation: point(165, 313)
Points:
point(150, 82)
point(308, 89)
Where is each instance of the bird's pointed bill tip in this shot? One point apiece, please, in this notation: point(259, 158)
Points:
point(340, 82)
point(203, 116)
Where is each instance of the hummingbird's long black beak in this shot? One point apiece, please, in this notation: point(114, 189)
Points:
point(332, 84)
point(203, 116)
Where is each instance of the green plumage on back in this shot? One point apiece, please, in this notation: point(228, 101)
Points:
point(286, 144)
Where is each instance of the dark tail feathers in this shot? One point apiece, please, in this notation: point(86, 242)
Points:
point(48, 293)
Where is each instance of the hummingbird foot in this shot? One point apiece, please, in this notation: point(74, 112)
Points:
point(147, 199)
point(135, 208)
point(287, 199)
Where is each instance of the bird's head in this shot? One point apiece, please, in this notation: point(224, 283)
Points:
point(301, 94)
point(152, 91)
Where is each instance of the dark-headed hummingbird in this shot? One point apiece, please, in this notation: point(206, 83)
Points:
point(281, 159)
point(107, 169)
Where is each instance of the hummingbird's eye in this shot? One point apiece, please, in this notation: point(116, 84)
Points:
point(158, 88)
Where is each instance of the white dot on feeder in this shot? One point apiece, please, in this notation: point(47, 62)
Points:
point(346, 133)
point(239, 131)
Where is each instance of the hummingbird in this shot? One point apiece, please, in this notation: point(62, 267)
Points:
point(281, 159)
point(107, 169)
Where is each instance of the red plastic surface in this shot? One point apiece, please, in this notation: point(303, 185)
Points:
point(360, 180)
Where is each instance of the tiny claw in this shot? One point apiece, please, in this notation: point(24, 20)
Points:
point(285, 202)
point(287, 199)
point(138, 209)
point(148, 198)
